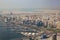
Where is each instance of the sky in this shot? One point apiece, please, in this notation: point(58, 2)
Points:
point(30, 4)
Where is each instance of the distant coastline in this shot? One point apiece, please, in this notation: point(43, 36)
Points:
point(28, 10)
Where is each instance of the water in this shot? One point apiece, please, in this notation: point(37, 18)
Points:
point(7, 34)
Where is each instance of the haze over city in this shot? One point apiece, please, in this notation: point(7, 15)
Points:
point(29, 4)
point(29, 19)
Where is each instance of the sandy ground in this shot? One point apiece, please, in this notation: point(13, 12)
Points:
point(58, 37)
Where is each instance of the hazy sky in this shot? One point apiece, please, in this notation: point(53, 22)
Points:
point(10, 4)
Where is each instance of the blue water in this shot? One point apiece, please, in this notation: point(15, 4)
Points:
point(7, 34)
